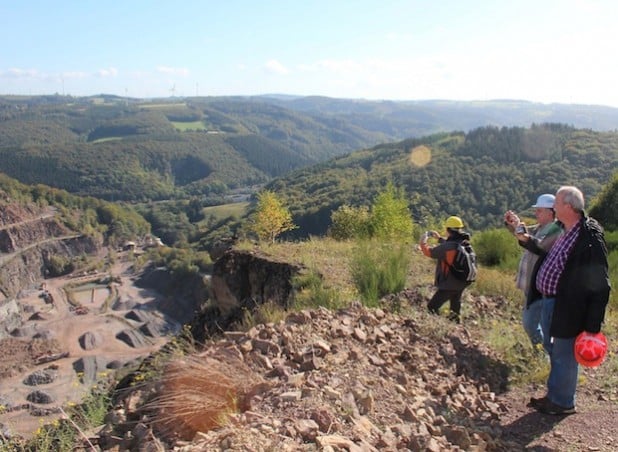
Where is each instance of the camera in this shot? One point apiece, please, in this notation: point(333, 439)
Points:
point(520, 229)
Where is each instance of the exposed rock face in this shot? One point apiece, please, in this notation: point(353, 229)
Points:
point(28, 237)
point(242, 280)
point(239, 276)
point(26, 268)
point(22, 234)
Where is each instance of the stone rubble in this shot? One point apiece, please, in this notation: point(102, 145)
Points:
point(357, 379)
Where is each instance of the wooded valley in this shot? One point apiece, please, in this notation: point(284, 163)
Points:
point(471, 159)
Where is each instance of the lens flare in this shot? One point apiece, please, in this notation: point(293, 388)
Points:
point(420, 156)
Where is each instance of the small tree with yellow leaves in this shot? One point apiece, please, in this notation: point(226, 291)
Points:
point(271, 217)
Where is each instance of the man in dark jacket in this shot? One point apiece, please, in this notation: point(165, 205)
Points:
point(572, 278)
point(449, 287)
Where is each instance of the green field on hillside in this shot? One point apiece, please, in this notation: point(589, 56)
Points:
point(236, 209)
point(184, 126)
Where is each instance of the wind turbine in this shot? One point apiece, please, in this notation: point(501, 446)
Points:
point(173, 90)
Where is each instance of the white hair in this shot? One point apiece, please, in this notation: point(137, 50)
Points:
point(572, 196)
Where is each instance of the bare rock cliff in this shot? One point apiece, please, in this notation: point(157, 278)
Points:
point(29, 236)
point(242, 280)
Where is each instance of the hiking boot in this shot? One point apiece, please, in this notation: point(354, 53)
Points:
point(454, 317)
point(537, 402)
point(549, 407)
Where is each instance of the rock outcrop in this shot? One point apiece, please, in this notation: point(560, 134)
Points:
point(28, 237)
point(239, 276)
point(241, 281)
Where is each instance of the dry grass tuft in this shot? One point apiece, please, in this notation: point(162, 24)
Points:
point(197, 394)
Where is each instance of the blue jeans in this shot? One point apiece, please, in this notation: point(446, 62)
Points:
point(531, 320)
point(562, 381)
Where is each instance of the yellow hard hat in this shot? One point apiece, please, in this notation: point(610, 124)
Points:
point(453, 223)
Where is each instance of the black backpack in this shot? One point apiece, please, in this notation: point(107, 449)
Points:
point(464, 265)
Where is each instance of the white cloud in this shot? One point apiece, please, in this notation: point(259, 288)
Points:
point(276, 67)
point(109, 72)
point(173, 70)
point(16, 73)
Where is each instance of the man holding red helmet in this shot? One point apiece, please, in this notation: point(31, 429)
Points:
point(572, 279)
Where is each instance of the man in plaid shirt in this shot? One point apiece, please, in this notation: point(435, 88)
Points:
point(572, 279)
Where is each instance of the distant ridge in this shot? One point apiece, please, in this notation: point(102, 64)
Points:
point(121, 148)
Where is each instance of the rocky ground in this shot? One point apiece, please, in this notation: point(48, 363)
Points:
point(356, 380)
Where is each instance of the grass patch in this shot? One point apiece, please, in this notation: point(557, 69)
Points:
point(378, 269)
point(311, 292)
point(527, 364)
point(327, 257)
point(223, 211)
point(197, 394)
point(264, 313)
point(188, 126)
point(495, 282)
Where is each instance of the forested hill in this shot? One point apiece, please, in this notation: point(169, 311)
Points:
point(477, 175)
point(126, 149)
point(134, 149)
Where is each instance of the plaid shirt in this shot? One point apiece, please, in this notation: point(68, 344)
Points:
point(551, 268)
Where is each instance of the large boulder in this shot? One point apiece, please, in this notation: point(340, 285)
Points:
point(239, 276)
point(241, 281)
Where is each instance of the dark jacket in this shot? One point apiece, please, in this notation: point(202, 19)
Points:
point(445, 252)
point(583, 286)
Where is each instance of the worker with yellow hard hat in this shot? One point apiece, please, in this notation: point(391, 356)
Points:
point(450, 287)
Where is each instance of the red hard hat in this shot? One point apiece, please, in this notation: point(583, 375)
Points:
point(590, 348)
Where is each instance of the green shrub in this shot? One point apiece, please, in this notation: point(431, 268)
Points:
point(379, 268)
point(349, 223)
point(311, 292)
point(58, 265)
point(497, 247)
point(390, 216)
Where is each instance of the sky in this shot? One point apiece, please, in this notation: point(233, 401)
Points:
point(547, 51)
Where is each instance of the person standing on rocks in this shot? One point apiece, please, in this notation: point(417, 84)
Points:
point(572, 279)
point(450, 288)
point(544, 233)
